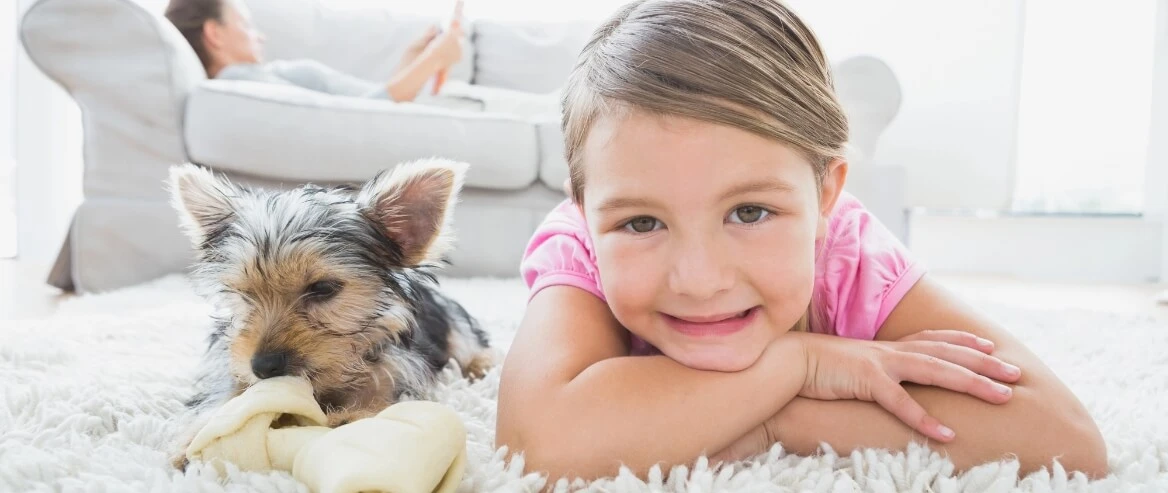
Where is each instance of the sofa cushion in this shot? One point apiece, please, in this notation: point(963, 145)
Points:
point(289, 133)
point(366, 41)
point(553, 168)
point(533, 57)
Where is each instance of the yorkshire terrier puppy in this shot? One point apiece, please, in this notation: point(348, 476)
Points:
point(335, 285)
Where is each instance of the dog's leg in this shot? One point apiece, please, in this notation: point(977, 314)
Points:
point(199, 412)
point(196, 419)
point(479, 364)
point(467, 348)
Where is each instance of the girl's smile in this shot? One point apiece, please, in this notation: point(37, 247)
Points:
point(712, 326)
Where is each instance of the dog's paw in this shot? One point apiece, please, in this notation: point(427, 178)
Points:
point(479, 365)
point(180, 461)
point(178, 453)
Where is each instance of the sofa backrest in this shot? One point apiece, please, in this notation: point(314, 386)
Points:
point(130, 72)
point(538, 57)
point(365, 41)
point(532, 57)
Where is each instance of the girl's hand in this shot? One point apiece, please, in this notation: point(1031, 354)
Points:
point(840, 368)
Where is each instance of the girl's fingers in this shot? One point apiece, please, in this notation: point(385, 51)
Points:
point(930, 370)
point(957, 337)
point(976, 361)
point(892, 397)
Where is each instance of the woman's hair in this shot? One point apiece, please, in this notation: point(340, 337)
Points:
point(189, 16)
point(748, 64)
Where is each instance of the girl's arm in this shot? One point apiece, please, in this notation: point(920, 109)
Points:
point(1042, 421)
point(574, 402)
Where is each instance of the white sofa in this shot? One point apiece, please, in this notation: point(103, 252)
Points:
point(146, 105)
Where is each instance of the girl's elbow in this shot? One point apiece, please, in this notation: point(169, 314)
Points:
point(538, 454)
point(1072, 438)
point(538, 457)
point(1086, 450)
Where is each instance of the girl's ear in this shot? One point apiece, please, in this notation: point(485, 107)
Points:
point(833, 185)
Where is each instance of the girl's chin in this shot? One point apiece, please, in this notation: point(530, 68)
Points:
point(724, 359)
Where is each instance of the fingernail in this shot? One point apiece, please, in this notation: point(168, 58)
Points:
point(986, 343)
point(1002, 389)
point(945, 431)
point(1011, 370)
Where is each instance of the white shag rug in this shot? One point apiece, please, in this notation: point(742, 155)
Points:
point(87, 399)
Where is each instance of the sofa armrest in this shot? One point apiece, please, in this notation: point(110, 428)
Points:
point(288, 133)
point(136, 63)
point(882, 190)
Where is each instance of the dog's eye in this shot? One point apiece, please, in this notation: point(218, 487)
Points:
point(322, 290)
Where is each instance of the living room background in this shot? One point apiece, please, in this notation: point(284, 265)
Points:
point(989, 105)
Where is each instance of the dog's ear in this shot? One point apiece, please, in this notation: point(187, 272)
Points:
point(203, 201)
point(413, 203)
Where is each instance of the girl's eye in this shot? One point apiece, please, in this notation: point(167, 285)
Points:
point(642, 224)
point(748, 214)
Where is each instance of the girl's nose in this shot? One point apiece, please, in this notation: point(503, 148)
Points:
point(701, 271)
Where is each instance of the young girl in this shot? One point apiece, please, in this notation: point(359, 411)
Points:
point(711, 289)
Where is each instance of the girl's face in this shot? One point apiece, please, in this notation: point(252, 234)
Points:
point(705, 234)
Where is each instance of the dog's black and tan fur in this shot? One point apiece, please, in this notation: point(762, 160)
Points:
point(335, 285)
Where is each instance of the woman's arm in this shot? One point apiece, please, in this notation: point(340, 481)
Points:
point(1042, 421)
point(573, 401)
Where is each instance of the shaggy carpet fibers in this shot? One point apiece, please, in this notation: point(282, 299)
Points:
point(88, 399)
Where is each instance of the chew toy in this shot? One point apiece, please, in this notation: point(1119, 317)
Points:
point(410, 447)
point(455, 21)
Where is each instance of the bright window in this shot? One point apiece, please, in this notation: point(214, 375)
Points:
point(1084, 109)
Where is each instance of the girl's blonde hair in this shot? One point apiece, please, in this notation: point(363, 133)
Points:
point(748, 64)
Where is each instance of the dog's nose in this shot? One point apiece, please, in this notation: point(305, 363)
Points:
point(268, 365)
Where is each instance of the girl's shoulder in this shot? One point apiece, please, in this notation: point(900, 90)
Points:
point(560, 252)
point(862, 272)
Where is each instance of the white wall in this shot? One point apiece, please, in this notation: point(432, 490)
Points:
point(1068, 248)
point(7, 111)
point(958, 64)
point(48, 159)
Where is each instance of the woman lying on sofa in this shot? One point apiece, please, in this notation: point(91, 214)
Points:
point(230, 47)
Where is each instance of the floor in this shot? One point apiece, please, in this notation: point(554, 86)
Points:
point(23, 293)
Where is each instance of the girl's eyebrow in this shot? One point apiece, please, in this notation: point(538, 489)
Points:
point(767, 185)
point(621, 203)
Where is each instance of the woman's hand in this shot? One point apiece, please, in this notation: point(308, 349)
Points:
point(840, 368)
